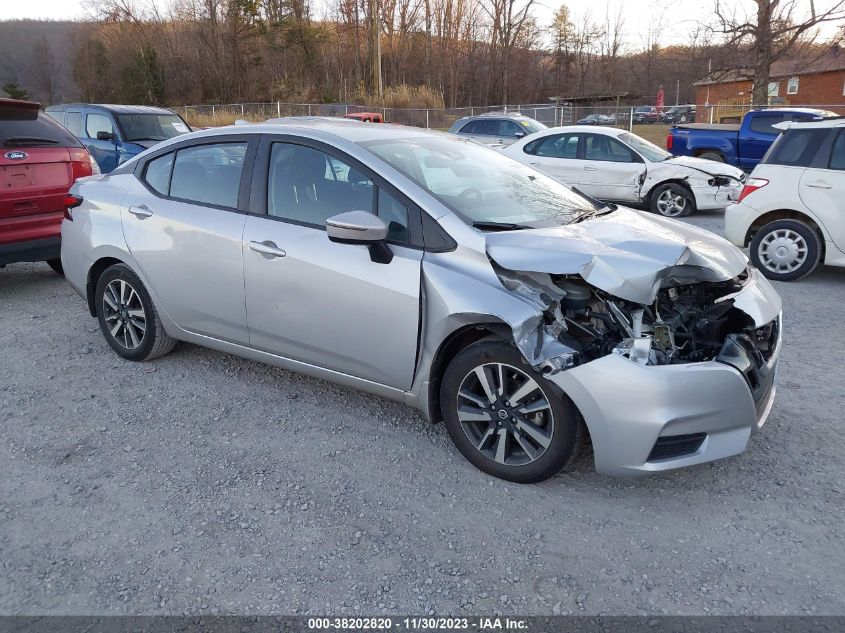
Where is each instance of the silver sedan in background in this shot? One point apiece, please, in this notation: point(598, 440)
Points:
point(424, 267)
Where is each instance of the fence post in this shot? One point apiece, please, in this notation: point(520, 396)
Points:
point(711, 115)
point(279, 109)
point(309, 109)
point(346, 110)
point(426, 119)
point(212, 111)
point(631, 119)
point(242, 110)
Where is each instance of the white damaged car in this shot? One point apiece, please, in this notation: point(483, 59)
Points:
point(617, 166)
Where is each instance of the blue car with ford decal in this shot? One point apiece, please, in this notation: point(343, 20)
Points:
point(115, 133)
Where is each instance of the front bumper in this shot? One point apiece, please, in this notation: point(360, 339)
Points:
point(628, 407)
point(713, 197)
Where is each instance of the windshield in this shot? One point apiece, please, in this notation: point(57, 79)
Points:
point(481, 185)
point(531, 125)
point(151, 127)
point(646, 148)
point(644, 109)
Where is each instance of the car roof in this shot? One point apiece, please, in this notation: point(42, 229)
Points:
point(341, 129)
point(838, 121)
point(815, 111)
point(592, 129)
point(496, 115)
point(113, 108)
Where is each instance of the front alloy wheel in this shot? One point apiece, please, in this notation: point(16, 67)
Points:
point(505, 414)
point(507, 419)
point(672, 201)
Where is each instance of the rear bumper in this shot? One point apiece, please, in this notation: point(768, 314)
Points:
point(30, 251)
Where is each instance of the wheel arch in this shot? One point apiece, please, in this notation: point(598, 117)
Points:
point(94, 273)
point(670, 181)
point(785, 214)
point(452, 345)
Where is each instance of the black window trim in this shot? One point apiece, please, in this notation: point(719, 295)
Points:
point(244, 189)
point(828, 155)
point(259, 191)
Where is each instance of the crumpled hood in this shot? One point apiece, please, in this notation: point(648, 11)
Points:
point(627, 253)
point(699, 165)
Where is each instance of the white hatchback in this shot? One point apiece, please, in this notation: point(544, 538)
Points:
point(617, 166)
point(791, 213)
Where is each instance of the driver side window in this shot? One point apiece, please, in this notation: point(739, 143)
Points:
point(604, 148)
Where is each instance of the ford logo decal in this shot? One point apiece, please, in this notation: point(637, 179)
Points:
point(16, 155)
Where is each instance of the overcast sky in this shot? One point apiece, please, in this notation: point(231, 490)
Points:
point(679, 17)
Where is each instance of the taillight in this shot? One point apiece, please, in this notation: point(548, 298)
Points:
point(71, 202)
point(80, 162)
point(669, 140)
point(752, 185)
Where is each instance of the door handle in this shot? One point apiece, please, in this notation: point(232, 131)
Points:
point(820, 184)
point(140, 211)
point(590, 168)
point(267, 248)
point(534, 164)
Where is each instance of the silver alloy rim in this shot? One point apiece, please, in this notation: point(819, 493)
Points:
point(124, 314)
point(505, 414)
point(782, 251)
point(670, 203)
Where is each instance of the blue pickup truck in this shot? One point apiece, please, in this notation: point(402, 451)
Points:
point(740, 145)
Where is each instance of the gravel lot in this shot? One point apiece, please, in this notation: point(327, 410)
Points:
point(205, 483)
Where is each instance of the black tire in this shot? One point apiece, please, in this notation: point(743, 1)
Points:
point(153, 341)
point(56, 265)
point(674, 192)
point(714, 156)
point(564, 431)
point(764, 255)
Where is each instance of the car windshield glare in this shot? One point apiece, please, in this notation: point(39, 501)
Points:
point(646, 148)
point(151, 127)
point(481, 185)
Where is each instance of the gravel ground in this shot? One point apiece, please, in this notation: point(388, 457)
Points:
point(205, 483)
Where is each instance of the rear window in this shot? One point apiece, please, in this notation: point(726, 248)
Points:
point(762, 124)
point(30, 128)
point(796, 148)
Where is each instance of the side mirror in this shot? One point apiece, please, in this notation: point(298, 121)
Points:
point(519, 134)
point(105, 136)
point(361, 227)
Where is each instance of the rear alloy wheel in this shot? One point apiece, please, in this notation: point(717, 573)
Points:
point(786, 250)
point(507, 419)
point(672, 201)
point(127, 316)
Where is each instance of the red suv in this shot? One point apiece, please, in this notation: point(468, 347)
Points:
point(39, 161)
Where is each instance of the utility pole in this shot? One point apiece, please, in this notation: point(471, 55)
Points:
point(375, 47)
point(677, 92)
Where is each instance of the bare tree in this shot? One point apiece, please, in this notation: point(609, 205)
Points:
point(774, 30)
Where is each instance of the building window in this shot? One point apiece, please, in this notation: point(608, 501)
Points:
point(792, 86)
point(774, 88)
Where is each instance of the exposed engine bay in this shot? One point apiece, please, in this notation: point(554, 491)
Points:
point(686, 323)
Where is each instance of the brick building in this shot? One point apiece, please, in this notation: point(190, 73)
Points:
point(818, 82)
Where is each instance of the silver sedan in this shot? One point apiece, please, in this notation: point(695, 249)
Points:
point(426, 268)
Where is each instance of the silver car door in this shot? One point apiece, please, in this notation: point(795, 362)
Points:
point(183, 227)
point(611, 171)
point(325, 303)
point(556, 155)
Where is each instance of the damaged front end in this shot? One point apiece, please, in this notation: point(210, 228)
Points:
point(577, 323)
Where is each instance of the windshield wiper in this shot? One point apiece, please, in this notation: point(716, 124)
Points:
point(499, 226)
point(15, 141)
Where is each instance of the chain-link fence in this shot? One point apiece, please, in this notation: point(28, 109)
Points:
point(648, 121)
